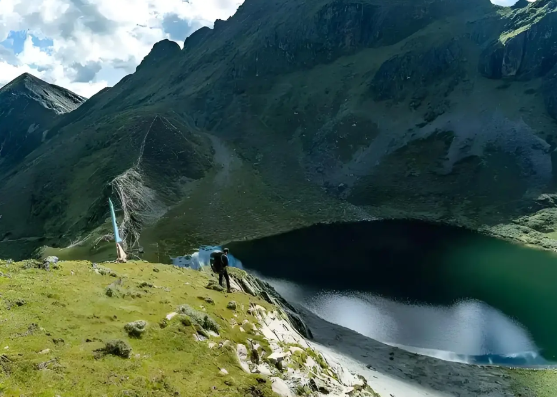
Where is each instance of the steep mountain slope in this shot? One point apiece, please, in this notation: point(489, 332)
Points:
point(297, 112)
point(28, 106)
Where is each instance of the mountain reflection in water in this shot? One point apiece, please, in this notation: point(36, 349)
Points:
point(425, 286)
point(469, 331)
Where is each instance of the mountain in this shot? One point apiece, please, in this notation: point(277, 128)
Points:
point(297, 112)
point(28, 106)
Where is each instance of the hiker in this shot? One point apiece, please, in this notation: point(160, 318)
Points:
point(219, 264)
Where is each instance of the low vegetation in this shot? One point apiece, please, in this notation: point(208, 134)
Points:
point(61, 334)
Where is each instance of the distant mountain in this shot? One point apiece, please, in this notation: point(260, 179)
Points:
point(296, 112)
point(29, 105)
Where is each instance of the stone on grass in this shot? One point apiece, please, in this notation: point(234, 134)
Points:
point(213, 285)
point(223, 371)
point(51, 262)
point(232, 305)
point(169, 316)
point(116, 348)
point(197, 317)
point(103, 271)
point(136, 328)
point(242, 354)
point(280, 387)
point(185, 320)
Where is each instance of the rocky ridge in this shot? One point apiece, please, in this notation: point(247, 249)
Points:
point(28, 107)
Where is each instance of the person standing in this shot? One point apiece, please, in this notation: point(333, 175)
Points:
point(219, 264)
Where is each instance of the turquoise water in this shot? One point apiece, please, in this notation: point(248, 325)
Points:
point(432, 289)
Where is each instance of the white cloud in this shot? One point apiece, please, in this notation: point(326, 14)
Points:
point(94, 43)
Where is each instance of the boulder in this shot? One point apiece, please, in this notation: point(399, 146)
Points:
point(136, 328)
point(242, 354)
point(280, 387)
point(116, 348)
point(213, 285)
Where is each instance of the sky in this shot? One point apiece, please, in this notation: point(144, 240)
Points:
point(86, 45)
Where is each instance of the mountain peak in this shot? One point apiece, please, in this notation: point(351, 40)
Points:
point(161, 50)
point(49, 96)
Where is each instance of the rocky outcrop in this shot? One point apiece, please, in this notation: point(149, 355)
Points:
point(294, 366)
point(527, 48)
point(549, 89)
point(251, 285)
point(414, 72)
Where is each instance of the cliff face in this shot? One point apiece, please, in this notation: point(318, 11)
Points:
point(293, 112)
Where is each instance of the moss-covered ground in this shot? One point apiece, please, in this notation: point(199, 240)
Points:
point(53, 322)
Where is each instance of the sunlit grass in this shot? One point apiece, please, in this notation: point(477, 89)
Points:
point(75, 317)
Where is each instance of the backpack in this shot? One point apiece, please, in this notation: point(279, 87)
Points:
point(216, 261)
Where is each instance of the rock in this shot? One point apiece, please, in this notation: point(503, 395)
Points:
point(242, 354)
point(294, 349)
point(112, 291)
point(117, 348)
point(197, 317)
point(264, 369)
point(45, 351)
point(277, 358)
point(156, 270)
point(231, 305)
point(211, 345)
point(223, 371)
point(408, 74)
point(213, 285)
point(201, 331)
point(45, 365)
point(136, 328)
point(58, 341)
point(170, 316)
point(51, 260)
point(549, 91)
point(525, 50)
point(280, 387)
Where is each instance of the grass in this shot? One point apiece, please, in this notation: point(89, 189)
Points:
point(538, 383)
point(74, 317)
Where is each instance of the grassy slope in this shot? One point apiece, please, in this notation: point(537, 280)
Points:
point(71, 304)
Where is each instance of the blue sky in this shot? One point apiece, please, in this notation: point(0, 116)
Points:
point(16, 39)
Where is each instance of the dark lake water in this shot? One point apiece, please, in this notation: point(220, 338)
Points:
point(436, 290)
